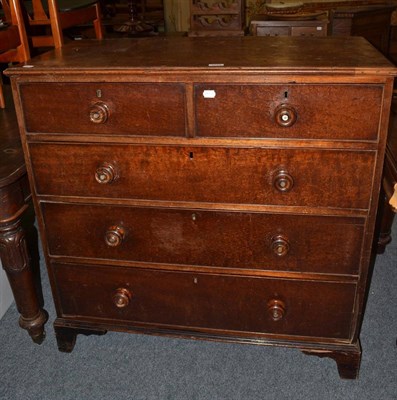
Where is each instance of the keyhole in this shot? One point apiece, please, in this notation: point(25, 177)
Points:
point(191, 156)
point(286, 95)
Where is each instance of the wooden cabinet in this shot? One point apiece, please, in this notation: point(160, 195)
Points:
point(216, 195)
point(372, 22)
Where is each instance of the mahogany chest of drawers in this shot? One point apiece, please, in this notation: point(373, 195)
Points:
point(216, 188)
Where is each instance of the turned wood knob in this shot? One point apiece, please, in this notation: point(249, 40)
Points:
point(280, 245)
point(106, 173)
point(276, 309)
point(285, 115)
point(99, 113)
point(114, 236)
point(283, 181)
point(122, 297)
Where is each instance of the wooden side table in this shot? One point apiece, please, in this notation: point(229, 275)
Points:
point(15, 197)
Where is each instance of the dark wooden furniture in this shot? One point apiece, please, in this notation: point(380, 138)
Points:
point(228, 195)
point(372, 22)
point(15, 197)
point(14, 45)
point(389, 193)
point(216, 18)
point(265, 26)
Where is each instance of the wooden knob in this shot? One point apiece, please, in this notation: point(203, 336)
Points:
point(276, 309)
point(114, 236)
point(280, 245)
point(285, 115)
point(106, 173)
point(283, 181)
point(122, 297)
point(99, 113)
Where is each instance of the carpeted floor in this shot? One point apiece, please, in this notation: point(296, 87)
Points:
point(137, 367)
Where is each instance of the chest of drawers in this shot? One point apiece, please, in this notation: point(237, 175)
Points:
point(212, 188)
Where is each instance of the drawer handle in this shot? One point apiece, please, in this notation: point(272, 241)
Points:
point(99, 113)
point(280, 245)
point(122, 298)
point(114, 236)
point(283, 181)
point(106, 173)
point(276, 309)
point(285, 115)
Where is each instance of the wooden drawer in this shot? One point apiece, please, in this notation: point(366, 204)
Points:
point(122, 108)
point(308, 30)
point(273, 31)
point(319, 111)
point(203, 301)
point(205, 238)
point(295, 177)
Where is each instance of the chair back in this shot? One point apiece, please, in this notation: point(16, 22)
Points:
point(56, 15)
point(14, 45)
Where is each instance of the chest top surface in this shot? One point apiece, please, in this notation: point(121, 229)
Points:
point(331, 55)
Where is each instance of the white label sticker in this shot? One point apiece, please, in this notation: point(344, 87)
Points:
point(209, 94)
point(319, 28)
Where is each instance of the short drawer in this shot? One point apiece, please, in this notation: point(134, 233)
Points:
point(288, 111)
point(205, 238)
point(272, 31)
point(104, 108)
point(295, 177)
point(203, 301)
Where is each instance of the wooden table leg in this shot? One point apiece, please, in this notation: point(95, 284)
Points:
point(16, 263)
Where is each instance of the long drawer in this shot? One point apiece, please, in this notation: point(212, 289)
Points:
point(263, 176)
point(105, 108)
point(219, 302)
point(288, 111)
point(205, 238)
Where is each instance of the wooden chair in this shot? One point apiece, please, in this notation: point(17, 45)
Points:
point(14, 46)
point(59, 15)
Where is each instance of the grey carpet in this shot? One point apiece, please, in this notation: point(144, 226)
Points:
point(137, 367)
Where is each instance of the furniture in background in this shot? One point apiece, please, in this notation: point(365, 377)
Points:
point(204, 196)
point(14, 46)
point(15, 198)
point(372, 22)
point(217, 18)
point(56, 15)
point(135, 22)
point(264, 25)
point(389, 193)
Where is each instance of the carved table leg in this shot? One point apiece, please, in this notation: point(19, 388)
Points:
point(16, 263)
point(347, 359)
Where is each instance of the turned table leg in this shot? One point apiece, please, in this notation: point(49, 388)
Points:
point(16, 263)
